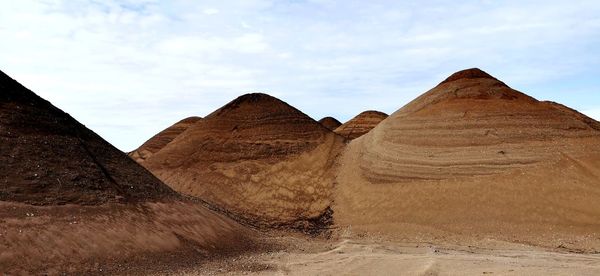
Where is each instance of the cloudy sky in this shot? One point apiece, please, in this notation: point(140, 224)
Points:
point(129, 68)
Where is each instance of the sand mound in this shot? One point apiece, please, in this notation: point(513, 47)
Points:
point(474, 157)
point(256, 157)
point(360, 124)
point(330, 123)
point(47, 157)
point(160, 140)
point(69, 200)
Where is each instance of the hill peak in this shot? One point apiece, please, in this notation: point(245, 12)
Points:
point(255, 104)
point(252, 98)
point(472, 73)
point(469, 84)
point(330, 122)
point(372, 113)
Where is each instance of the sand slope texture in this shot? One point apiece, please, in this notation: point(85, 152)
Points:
point(360, 124)
point(258, 158)
point(71, 202)
point(473, 159)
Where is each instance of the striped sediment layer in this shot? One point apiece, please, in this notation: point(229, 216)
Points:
point(258, 158)
point(474, 156)
point(361, 124)
point(161, 139)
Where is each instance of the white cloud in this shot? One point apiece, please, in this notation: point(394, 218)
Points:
point(211, 11)
point(198, 45)
point(128, 68)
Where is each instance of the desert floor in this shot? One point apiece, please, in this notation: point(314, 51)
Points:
point(357, 256)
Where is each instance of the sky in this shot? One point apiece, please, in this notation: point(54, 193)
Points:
point(129, 68)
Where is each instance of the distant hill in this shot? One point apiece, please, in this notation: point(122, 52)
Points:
point(360, 124)
point(161, 139)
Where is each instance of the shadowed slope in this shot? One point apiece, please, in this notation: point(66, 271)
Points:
point(257, 157)
point(360, 124)
point(49, 158)
point(330, 123)
point(69, 200)
point(474, 156)
point(161, 139)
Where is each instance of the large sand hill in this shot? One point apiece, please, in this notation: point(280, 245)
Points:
point(71, 202)
point(472, 177)
point(47, 157)
point(473, 159)
point(258, 159)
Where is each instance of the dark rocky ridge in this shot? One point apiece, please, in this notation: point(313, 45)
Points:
point(47, 157)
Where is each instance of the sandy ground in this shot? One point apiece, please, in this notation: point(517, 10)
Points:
point(370, 257)
point(114, 238)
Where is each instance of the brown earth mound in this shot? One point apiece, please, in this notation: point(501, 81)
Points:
point(47, 157)
point(360, 124)
point(258, 158)
point(160, 140)
point(330, 123)
point(473, 157)
point(72, 203)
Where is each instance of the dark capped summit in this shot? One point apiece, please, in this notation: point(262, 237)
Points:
point(472, 73)
point(330, 123)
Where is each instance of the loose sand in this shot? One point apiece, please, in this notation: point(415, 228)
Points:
point(112, 238)
point(363, 256)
